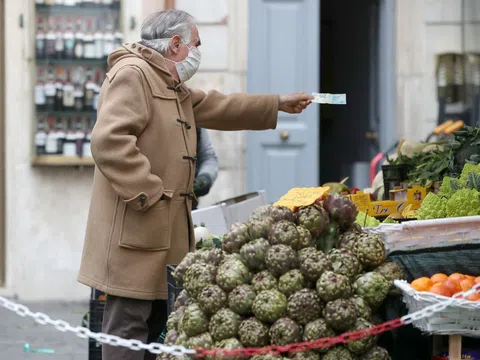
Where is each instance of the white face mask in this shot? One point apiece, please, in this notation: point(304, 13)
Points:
point(189, 66)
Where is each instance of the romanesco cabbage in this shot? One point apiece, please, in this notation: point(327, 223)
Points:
point(368, 222)
point(468, 168)
point(433, 207)
point(449, 186)
point(465, 202)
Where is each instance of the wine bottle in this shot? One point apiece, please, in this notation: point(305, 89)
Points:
point(40, 39)
point(59, 90)
point(50, 39)
point(68, 94)
point(51, 145)
point(69, 40)
point(40, 137)
point(60, 41)
point(89, 42)
point(40, 99)
point(79, 39)
point(50, 91)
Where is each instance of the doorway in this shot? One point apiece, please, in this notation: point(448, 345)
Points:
point(2, 144)
point(349, 64)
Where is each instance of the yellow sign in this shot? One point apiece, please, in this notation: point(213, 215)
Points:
point(298, 197)
point(404, 202)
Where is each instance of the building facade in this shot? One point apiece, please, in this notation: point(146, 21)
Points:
point(46, 208)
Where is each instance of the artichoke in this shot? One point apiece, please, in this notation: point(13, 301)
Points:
point(280, 259)
point(181, 299)
point(237, 237)
point(267, 357)
point(211, 299)
point(370, 250)
point(305, 238)
point(317, 329)
point(361, 346)
point(314, 264)
point(314, 219)
point(269, 306)
point(285, 331)
point(264, 280)
point(253, 254)
point(241, 299)
point(340, 314)
point(373, 287)
point(391, 271)
point(231, 273)
point(304, 306)
point(304, 253)
point(171, 337)
point(181, 268)
point(376, 353)
point(253, 333)
point(341, 209)
point(202, 341)
point(211, 256)
point(337, 353)
point(224, 324)
point(284, 233)
point(363, 309)
point(306, 355)
point(175, 318)
point(259, 228)
point(333, 286)
point(197, 277)
point(291, 282)
point(281, 213)
point(229, 344)
point(194, 321)
point(344, 262)
point(347, 239)
point(260, 213)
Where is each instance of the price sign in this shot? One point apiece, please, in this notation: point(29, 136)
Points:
point(298, 197)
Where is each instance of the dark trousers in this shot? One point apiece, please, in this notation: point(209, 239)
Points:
point(142, 320)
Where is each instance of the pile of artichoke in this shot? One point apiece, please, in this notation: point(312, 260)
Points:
point(285, 277)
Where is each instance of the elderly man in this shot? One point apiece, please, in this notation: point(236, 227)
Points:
point(144, 146)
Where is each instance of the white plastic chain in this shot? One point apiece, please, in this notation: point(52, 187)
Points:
point(85, 333)
point(157, 348)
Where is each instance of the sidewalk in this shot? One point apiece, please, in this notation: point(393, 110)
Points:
point(16, 331)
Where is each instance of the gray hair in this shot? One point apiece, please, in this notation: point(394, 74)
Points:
point(158, 29)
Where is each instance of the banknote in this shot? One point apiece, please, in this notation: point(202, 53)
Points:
point(326, 98)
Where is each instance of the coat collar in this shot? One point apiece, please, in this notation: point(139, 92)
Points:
point(158, 63)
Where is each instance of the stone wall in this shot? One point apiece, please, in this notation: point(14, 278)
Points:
point(424, 29)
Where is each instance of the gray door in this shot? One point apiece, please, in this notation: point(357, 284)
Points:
point(284, 57)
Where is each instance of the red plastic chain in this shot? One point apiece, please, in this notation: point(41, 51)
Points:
point(304, 346)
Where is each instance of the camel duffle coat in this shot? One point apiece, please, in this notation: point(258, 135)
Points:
point(144, 145)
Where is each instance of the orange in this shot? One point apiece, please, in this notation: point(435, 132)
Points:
point(421, 284)
point(438, 278)
point(477, 280)
point(456, 277)
point(466, 284)
point(453, 286)
point(470, 277)
point(474, 297)
point(440, 289)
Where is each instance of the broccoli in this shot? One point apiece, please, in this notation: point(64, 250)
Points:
point(467, 169)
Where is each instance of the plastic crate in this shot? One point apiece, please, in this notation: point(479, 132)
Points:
point(173, 289)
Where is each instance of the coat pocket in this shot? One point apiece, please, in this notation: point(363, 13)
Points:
point(146, 230)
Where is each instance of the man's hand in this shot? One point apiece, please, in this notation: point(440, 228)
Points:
point(202, 185)
point(294, 103)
